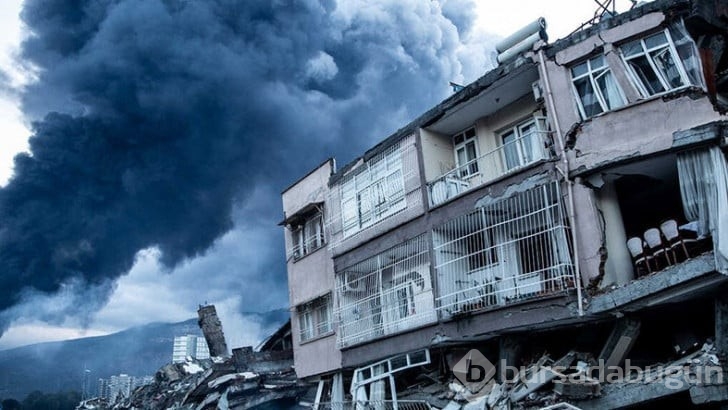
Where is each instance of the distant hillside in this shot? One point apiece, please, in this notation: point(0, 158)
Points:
point(139, 351)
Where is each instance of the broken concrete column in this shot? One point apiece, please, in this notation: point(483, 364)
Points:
point(620, 342)
point(212, 329)
point(510, 349)
point(619, 262)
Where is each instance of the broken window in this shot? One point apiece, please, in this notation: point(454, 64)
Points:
point(314, 318)
point(374, 193)
point(385, 294)
point(595, 87)
point(466, 152)
point(372, 383)
point(524, 252)
point(663, 61)
point(523, 144)
point(308, 236)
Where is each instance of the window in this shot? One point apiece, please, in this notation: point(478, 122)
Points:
point(309, 236)
point(663, 61)
point(466, 153)
point(314, 318)
point(374, 193)
point(595, 87)
point(523, 144)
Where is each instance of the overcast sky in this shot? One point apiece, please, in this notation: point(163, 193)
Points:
point(239, 269)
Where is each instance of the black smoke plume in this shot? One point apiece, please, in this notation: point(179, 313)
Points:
point(153, 120)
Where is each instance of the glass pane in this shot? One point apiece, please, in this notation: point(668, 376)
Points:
point(588, 100)
point(597, 62)
point(579, 70)
point(646, 75)
point(472, 156)
point(657, 40)
point(461, 156)
point(609, 91)
point(470, 133)
point(528, 143)
point(687, 52)
point(510, 151)
point(632, 48)
point(666, 64)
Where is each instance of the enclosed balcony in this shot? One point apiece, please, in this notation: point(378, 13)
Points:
point(507, 251)
point(388, 293)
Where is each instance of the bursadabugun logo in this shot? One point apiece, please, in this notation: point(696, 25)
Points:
point(474, 371)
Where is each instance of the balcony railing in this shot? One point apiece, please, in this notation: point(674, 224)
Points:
point(514, 155)
point(508, 251)
point(311, 244)
point(385, 294)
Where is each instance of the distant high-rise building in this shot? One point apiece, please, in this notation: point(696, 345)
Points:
point(103, 386)
point(189, 345)
point(120, 385)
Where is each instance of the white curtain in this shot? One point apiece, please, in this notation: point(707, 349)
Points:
point(704, 190)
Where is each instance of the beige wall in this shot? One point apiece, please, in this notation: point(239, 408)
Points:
point(618, 135)
point(437, 154)
point(311, 276)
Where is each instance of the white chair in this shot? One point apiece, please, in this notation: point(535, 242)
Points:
point(638, 253)
point(654, 242)
point(674, 240)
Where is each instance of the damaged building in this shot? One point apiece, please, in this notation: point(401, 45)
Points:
point(565, 217)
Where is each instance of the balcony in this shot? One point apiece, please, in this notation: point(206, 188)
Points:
point(505, 252)
point(517, 149)
point(307, 246)
point(386, 294)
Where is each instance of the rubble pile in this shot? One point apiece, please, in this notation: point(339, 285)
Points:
point(576, 381)
point(209, 384)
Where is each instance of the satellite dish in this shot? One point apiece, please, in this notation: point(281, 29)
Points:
point(439, 192)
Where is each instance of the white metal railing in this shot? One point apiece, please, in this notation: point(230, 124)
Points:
point(384, 188)
point(314, 318)
point(311, 244)
point(509, 157)
point(385, 294)
point(510, 250)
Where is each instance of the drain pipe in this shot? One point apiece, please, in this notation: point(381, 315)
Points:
point(565, 173)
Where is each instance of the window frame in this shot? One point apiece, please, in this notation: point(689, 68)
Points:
point(592, 75)
point(647, 52)
point(308, 236)
point(470, 168)
point(315, 318)
point(518, 143)
point(368, 198)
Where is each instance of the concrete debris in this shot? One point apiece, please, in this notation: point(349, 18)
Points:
point(212, 329)
point(207, 384)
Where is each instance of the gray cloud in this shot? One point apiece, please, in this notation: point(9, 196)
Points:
point(164, 124)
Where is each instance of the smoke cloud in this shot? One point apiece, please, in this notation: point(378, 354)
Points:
point(155, 121)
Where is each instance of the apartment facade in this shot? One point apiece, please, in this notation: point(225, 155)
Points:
point(189, 346)
point(506, 210)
